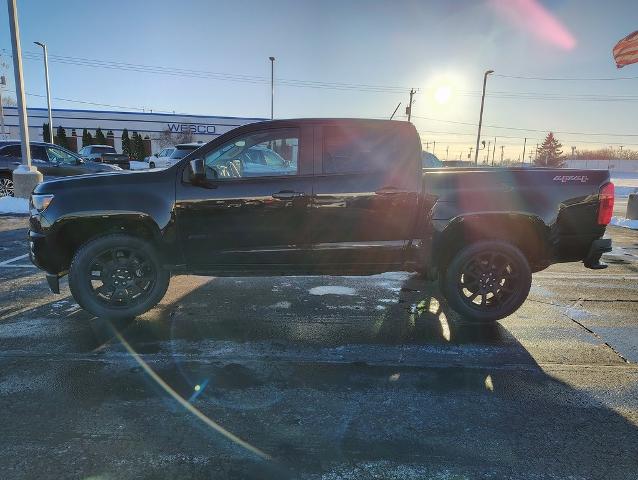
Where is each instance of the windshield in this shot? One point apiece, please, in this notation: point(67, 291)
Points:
point(103, 150)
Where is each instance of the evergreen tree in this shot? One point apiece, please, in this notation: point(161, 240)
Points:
point(138, 146)
point(550, 153)
point(46, 134)
point(100, 139)
point(87, 138)
point(60, 138)
point(126, 144)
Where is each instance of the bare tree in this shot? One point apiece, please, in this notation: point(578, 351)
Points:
point(9, 101)
point(168, 139)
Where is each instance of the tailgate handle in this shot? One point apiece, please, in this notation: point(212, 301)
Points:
point(288, 195)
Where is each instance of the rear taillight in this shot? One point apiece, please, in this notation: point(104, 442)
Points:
point(606, 204)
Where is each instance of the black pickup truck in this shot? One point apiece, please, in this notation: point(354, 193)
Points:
point(314, 197)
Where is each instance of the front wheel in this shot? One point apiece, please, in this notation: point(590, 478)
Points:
point(487, 281)
point(117, 276)
point(151, 165)
point(6, 186)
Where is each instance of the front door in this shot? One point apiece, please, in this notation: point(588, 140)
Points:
point(253, 212)
point(63, 163)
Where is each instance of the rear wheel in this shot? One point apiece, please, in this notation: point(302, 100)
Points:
point(6, 186)
point(117, 276)
point(151, 165)
point(487, 281)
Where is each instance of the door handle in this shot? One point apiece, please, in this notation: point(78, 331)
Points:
point(288, 195)
point(388, 191)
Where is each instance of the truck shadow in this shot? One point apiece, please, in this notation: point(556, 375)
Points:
point(359, 387)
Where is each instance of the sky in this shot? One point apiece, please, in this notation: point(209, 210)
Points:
point(343, 58)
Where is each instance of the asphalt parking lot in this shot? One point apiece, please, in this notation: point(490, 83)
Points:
point(322, 378)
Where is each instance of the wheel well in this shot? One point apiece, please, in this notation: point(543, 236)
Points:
point(525, 233)
point(78, 232)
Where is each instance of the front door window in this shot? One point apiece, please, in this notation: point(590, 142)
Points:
point(271, 153)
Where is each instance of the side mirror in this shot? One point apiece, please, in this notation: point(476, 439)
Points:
point(156, 154)
point(198, 172)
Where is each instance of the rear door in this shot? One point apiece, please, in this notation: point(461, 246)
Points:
point(366, 193)
point(249, 219)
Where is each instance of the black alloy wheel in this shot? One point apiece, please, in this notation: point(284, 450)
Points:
point(487, 281)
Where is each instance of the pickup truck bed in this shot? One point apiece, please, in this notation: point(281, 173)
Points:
point(338, 196)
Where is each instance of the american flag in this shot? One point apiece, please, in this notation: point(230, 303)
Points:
point(626, 51)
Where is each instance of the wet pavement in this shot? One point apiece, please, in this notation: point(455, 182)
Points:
point(322, 378)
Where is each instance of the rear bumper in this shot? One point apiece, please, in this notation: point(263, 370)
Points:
point(598, 247)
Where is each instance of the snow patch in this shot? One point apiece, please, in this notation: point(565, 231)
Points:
point(14, 205)
point(332, 290)
point(624, 222)
point(136, 165)
point(281, 305)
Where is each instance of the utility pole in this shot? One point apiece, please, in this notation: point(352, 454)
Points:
point(25, 177)
point(46, 76)
point(446, 151)
point(536, 153)
point(408, 109)
point(3, 83)
point(433, 147)
point(524, 145)
point(478, 134)
point(395, 111)
point(487, 153)
point(493, 151)
point(272, 87)
point(470, 155)
point(502, 147)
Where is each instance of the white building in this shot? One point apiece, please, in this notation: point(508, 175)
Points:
point(203, 127)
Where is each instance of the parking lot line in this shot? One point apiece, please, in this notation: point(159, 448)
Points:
point(9, 263)
point(602, 276)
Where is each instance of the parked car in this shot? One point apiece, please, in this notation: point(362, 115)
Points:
point(51, 160)
point(351, 199)
point(171, 155)
point(105, 154)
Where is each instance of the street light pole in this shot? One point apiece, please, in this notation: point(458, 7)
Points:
point(25, 177)
point(272, 87)
point(46, 76)
point(478, 135)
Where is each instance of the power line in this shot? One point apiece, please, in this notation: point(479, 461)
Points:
point(254, 79)
point(530, 129)
point(567, 79)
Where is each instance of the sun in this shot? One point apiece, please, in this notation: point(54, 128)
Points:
point(443, 94)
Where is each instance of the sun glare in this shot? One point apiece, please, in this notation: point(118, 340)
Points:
point(443, 94)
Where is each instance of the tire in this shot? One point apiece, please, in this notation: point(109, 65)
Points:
point(151, 165)
point(486, 281)
point(6, 185)
point(117, 276)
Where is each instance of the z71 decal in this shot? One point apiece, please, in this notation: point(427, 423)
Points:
point(571, 178)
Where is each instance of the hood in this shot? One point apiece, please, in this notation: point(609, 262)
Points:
point(100, 167)
point(108, 178)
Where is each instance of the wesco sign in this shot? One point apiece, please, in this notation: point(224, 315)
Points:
point(195, 128)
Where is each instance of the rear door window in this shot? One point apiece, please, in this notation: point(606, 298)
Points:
point(354, 149)
point(11, 151)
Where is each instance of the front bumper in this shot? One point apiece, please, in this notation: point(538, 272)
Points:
point(43, 255)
